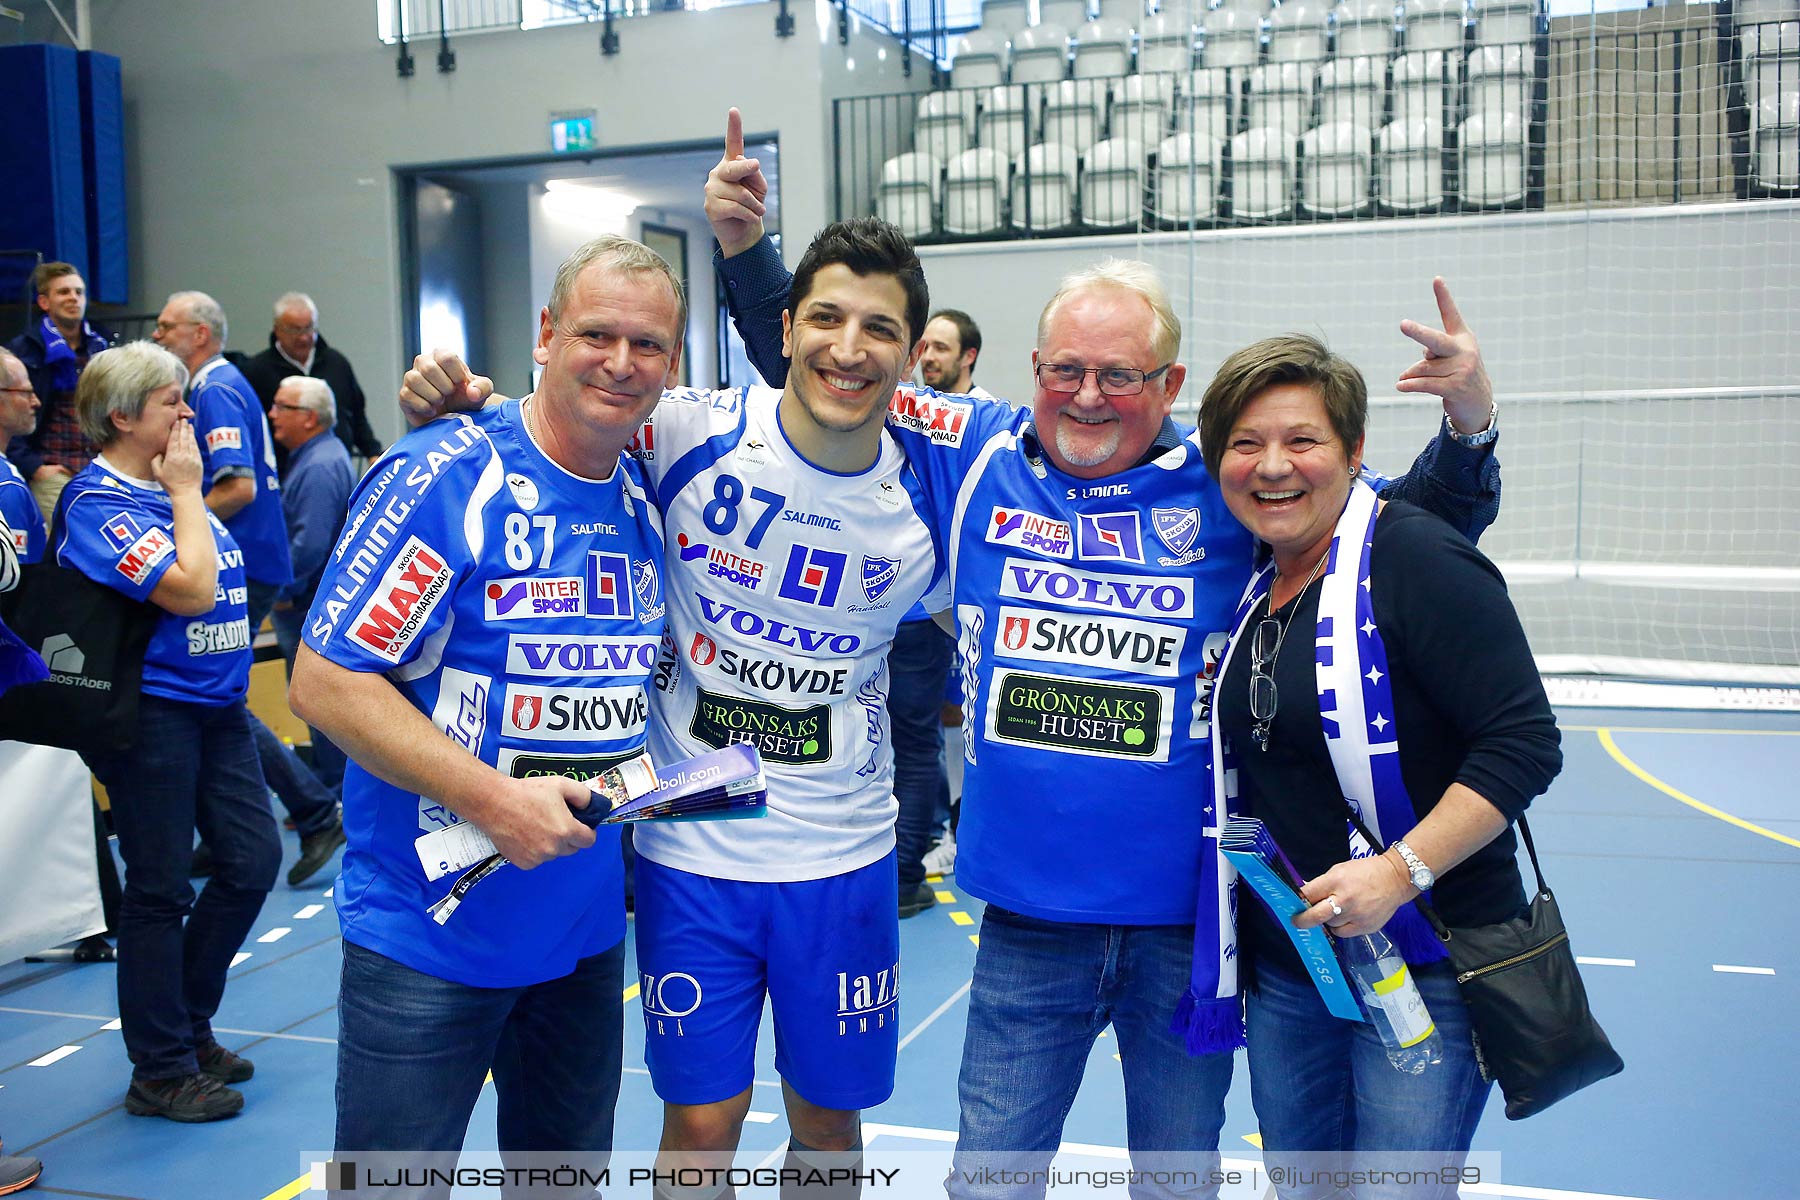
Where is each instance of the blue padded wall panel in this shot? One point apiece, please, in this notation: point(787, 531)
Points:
point(103, 162)
point(43, 205)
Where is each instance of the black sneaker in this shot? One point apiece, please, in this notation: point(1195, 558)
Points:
point(190, 1099)
point(316, 850)
point(222, 1064)
point(18, 1173)
point(921, 899)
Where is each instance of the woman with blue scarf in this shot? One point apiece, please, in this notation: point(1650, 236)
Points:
point(1376, 660)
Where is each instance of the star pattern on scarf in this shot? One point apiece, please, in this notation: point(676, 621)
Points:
point(1375, 675)
point(1379, 724)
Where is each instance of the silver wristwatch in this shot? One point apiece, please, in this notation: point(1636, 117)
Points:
point(1421, 875)
point(1476, 439)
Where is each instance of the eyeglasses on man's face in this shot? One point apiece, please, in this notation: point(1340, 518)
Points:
point(1112, 381)
point(172, 326)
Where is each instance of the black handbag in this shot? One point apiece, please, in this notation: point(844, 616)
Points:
point(1534, 1033)
point(93, 640)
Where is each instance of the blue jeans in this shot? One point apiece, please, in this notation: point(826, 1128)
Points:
point(1322, 1084)
point(918, 669)
point(312, 805)
point(194, 766)
point(1042, 992)
point(328, 761)
point(413, 1051)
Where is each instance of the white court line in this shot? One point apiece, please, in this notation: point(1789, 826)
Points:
point(1605, 962)
point(309, 912)
point(55, 1056)
point(327, 893)
point(275, 934)
point(937, 1012)
point(761, 1118)
point(115, 1023)
point(1728, 969)
point(241, 956)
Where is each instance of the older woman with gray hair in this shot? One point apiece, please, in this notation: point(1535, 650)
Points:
point(134, 520)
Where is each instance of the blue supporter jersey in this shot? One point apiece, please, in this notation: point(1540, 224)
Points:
point(121, 532)
point(234, 440)
point(520, 608)
point(22, 514)
point(1091, 616)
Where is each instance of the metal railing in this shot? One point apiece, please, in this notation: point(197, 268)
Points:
point(409, 20)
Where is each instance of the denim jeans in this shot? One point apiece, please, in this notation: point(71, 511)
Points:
point(306, 798)
point(194, 766)
point(1042, 992)
point(918, 669)
point(1323, 1084)
point(328, 760)
point(413, 1051)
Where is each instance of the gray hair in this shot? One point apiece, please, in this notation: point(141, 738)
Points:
point(204, 309)
point(615, 253)
point(289, 300)
point(313, 395)
point(8, 361)
point(1128, 275)
point(118, 382)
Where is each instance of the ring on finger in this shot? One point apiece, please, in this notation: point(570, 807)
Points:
point(1337, 910)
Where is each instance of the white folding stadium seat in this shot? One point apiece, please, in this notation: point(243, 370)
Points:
point(1040, 54)
point(1043, 187)
point(909, 193)
point(1280, 97)
point(974, 192)
point(1262, 174)
point(1775, 141)
point(1771, 61)
point(1232, 37)
point(1139, 110)
point(1112, 184)
point(943, 124)
point(1129, 11)
point(980, 60)
point(1409, 166)
point(1206, 103)
point(1005, 17)
point(1187, 179)
point(1297, 32)
point(1008, 119)
point(1424, 85)
point(1166, 45)
point(1505, 22)
point(1350, 89)
point(1365, 28)
point(1493, 160)
point(1335, 164)
point(1072, 113)
point(1103, 50)
point(1434, 24)
point(1064, 14)
point(1500, 79)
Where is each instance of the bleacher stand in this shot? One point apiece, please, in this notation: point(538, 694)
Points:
point(1775, 137)
point(1072, 110)
point(1505, 22)
point(1500, 80)
point(1262, 174)
point(1493, 148)
point(1409, 173)
point(1112, 184)
point(1103, 50)
point(1206, 103)
point(1187, 179)
point(1008, 121)
point(1434, 24)
point(1424, 86)
point(1043, 188)
point(944, 123)
point(1351, 89)
point(1365, 28)
point(1771, 59)
point(1280, 97)
point(1232, 37)
point(980, 60)
point(909, 193)
point(1335, 162)
point(1297, 32)
point(1064, 14)
point(975, 193)
point(1166, 46)
point(1040, 54)
point(1005, 17)
point(1139, 110)
point(1131, 12)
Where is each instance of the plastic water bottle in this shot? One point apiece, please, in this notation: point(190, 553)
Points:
point(1384, 985)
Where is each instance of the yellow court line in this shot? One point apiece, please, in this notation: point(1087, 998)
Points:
point(944, 897)
point(1671, 729)
point(1619, 756)
point(961, 917)
point(289, 1191)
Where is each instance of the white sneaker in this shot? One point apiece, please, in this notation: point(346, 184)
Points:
point(941, 858)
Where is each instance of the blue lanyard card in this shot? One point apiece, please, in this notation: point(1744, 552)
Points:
point(1262, 865)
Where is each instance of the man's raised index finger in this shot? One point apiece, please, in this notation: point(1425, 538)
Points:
point(1447, 310)
point(734, 134)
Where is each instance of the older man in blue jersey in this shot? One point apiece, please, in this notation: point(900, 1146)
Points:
point(475, 549)
point(1095, 572)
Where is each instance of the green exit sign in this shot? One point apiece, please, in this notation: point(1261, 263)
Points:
point(572, 132)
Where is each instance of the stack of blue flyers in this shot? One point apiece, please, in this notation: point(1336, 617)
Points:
point(1262, 865)
point(720, 785)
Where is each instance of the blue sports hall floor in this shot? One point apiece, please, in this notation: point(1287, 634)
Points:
point(1671, 839)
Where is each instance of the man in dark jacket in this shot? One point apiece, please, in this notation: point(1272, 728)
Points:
point(296, 348)
point(55, 350)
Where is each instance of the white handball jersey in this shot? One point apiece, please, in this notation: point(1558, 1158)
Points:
point(785, 585)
